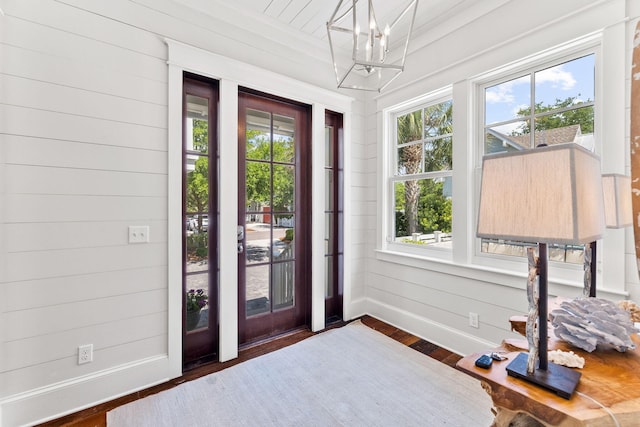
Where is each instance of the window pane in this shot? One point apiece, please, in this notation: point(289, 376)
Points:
point(423, 211)
point(328, 278)
point(283, 139)
point(438, 155)
point(566, 84)
point(197, 190)
point(514, 136)
point(283, 290)
point(283, 235)
point(283, 188)
point(575, 125)
point(197, 251)
point(197, 298)
point(560, 253)
point(328, 233)
point(409, 127)
point(438, 119)
point(197, 126)
point(329, 185)
point(258, 184)
point(258, 241)
point(328, 144)
point(258, 135)
point(503, 101)
point(410, 159)
point(257, 293)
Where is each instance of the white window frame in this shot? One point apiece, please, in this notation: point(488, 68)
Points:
point(561, 272)
point(390, 153)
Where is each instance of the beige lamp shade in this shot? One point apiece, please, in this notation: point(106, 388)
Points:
point(545, 195)
point(616, 189)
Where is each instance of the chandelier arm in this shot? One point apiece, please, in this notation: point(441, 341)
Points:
point(333, 19)
point(413, 18)
point(414, 4)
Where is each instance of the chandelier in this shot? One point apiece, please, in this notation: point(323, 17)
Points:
point(361, 46)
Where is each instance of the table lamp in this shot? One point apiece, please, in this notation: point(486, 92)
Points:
point(616, 189)
point(550, 194)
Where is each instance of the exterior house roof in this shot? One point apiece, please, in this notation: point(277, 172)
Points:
point(555, 136)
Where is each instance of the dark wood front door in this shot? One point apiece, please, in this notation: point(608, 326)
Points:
point(273, 216)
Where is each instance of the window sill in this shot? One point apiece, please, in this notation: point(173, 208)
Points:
point(497, 276)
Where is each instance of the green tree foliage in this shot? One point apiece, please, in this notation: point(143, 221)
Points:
point(439, 121)
point(433, 211)
point(198, 187)
point(198, 179)
point(576, 116)
point(435, 208)
point(201, 135)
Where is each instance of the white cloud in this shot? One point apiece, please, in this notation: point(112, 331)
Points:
point(503, 93)
point(558, 78)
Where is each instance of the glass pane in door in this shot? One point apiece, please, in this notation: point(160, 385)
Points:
point(258, 296)
point(282, 284)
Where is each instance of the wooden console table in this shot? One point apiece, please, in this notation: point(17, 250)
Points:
point(609, 377)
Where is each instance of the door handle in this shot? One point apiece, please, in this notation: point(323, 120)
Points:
point(240, 233)
point(240, 248)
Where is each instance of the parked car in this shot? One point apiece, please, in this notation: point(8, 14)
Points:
point(201, 222)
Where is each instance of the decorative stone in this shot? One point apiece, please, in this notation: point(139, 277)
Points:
point(591, 322)
point(566, 358)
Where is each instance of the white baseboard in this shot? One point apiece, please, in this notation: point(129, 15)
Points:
point(442, 335)
point(356, 309)
point(60, 399)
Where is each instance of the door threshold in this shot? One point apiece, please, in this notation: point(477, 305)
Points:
point(281, 335)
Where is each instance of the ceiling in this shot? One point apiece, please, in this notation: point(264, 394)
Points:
point(311, 16)
point(305, 20)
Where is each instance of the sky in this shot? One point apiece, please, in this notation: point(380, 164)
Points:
point(570, 79)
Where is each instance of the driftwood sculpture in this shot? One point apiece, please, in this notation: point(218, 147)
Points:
point(533, 334)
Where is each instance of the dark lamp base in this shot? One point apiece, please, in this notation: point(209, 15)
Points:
point(557, 378)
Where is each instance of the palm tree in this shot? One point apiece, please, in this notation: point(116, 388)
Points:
point(409, 158)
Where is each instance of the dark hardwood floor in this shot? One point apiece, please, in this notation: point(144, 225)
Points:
point(97, 415)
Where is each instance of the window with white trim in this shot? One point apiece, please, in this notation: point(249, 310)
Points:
point(420, 178)
point(552, 103)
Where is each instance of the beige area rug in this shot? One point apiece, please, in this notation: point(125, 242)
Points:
point(351, 376)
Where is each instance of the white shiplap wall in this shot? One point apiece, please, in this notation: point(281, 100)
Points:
point(84, 142)
point(83, 121)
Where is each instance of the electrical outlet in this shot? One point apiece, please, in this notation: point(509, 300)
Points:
point(85, 354)
point(138, 234)
point(473, 320)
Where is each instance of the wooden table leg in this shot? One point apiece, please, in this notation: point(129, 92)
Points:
point(508, 418)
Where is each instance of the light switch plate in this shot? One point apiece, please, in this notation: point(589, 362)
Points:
point(138, 234)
